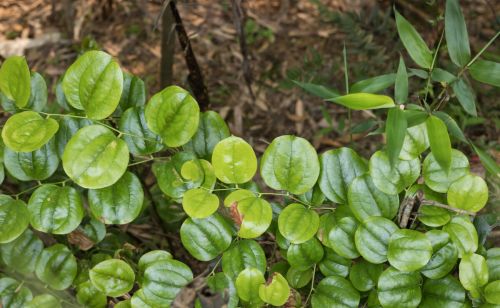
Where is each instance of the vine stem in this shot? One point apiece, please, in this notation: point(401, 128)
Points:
point(38, 185)
point(312, 286)
point(447, 207)
point(433, 63)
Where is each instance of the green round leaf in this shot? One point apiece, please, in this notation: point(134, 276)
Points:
point(13, 294)
point(234, 161)
point(493, 261)
point(169, 177)
point(469, 193)
point(174, 115)
point(44, 301)
point(67, 128)
point(409, 250)
point(463, 234)
point(473, 272)
point(372, 238)
point(443, 293)
point(140, 140)
point(151, 257)
point(211, 130)
point(439, 179)
point(333, 264)
point(298, 278)
point(248, 284)
point(339, 168)
point(56, 267)
point(95, 158)
point(341, 237)
point(199, 203)
point(94, 83)
point(243, 254)
point(444, 256)
point(14, 216)
point(112, 277)
point(298, 224)
point(89, 296)
point(364, 275)
point(140, 300)
point(124, 304)
point(276, 292)
point(28, 131)
point(119, 203)
point(392, 180)
point(415, 142)
point(21, 254)
point(305, 255)
point(433, 216)
point(15, 80)
point(395, 287)
point(206, 238)
point(54, 209)
point(280, 155)
point(335, 291)
point(256, 216)
point(28, 166)
point(366, 200)
point(492, 292)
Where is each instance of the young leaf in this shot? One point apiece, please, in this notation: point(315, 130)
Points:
point(413, 42)
point(298, 224)
point(463, 234)
point(465, 96)
point(234, 161)
point(439, 141)
point(457, 38)
point(374, 84)
point(15, 80)
point(88, 296)
point(276, 292)
point(401, 86)
point(248, 284)
point(486, 72)
point(492, 292)
point(415, 143)
point(395, 130)
point(469, 193)
point(363, 101)
point(199, 203)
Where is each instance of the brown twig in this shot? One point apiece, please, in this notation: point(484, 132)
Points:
point(449, 208)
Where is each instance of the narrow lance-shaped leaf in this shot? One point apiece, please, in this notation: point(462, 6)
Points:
point(488, 162)
point(401, 86)
point(317, 90)
point(374, 84)
point(465, 96)
point(395, 131)
point(363, 101)
point(439, 141)
point(486, 72)
point(457, 38)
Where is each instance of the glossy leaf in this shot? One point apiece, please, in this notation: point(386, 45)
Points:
point(439, 141)
point(457, 39)
point(54, 209)
point(89, 296)
point(140, 300)
point(408, 250)
point(372, 238)
point(444, 255)
point(38, 97)
point(463, 234)
point(401, 85)
point(286, 151)
point(255, 213)
point(21, 254)
point(413, 42)
point(56, 267)
point(234, 161)
point(333, 264)
point(339, 167)
point(298, 224)
point(199, 203)
point(94, 83)
point(486, 72)
point(465, 96)
point(13, 294)
point(243, 254)
point(446, 292)
point(168, 175)
point(67, 128)
point(341, 237)
point(28, 131)
point(112, 277)
point(14, 218)
point(469, 193)
point(211, 130)
point(453, 128)
point(415, 142)
point(439, 179)
point(174, 115)
point(299, 278)
point(151, 257)
point(395, 130)
point(374, 84)
point(433, 216)
point(363, 101)
point(395, 287)
point(44, 301)
point(133, 94)
point(37, 165)
point(15, 80)
point(313, 196)
point(275, 292)
point(248, 284)
point(140, 140)
point(492, 292)
point(119, 203)
point(335, 291)
point(393, 180)
point(206, 238)
point(473, 272)
point(95, 158)
point(364, 275)
point(366, 200)
point(305, 255)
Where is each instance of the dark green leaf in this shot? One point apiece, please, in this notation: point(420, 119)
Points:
point(317, 90)
point(486, 72)
point(140, 140)
point(465, 96)
point(335, 291)
point(13, 294)
point(56, 267)
point(395, 130)
point(443, 293)
point(21, 254)
point(243, 254)
point(401, 86)
point(457, 38)
point(374, 84)
point(413, 42)
point(14, 216)
point(395, 287)
point(211, 130)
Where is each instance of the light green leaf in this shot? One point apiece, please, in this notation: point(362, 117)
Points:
point(89, 296)
point(433, 216)
point(140, 140)
point(14, 216)
point(486, 72)
point(366, 200)
point(473, 273)
point(335, 291)
point(21, 254)
point(439, 179)
point(13, 294)
point(211, 130)
point(56, 267)
point(439, 141)
point(413, 42)
point(305, 255)
point(67, 128)
point(248, 284)
point(465, 96)
point(463, 234)
point(286, 151)
point(317, 90)
point(174, 115)
point(395, 287)
point(256, 213)
point(393, 180)
point(453, 128)
point(199, 203)
point(37, 165)
point(333, 264)
point(234, 161)
point(409, 250)
point(275, 292)
point(95, 158)
point(206, 238)
point(492, 292)
point(444, 256)
point(44, 301)
point(139, 300)
point(415, 142)
point(364, 275)
point(243, 254)
point(363, 101)
point(55, 209)
point(112, 277)
point(457, 38)
point(401, 85)
point(28, 131)
point(469, 193)
point(443, 293)
point(298, 224)
point(374, 84)
point(339, 167)
point(168, 175)
point(372, 238)
point(395, 130)
point(94, 83)
point(15, 80)
point(341, 237)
